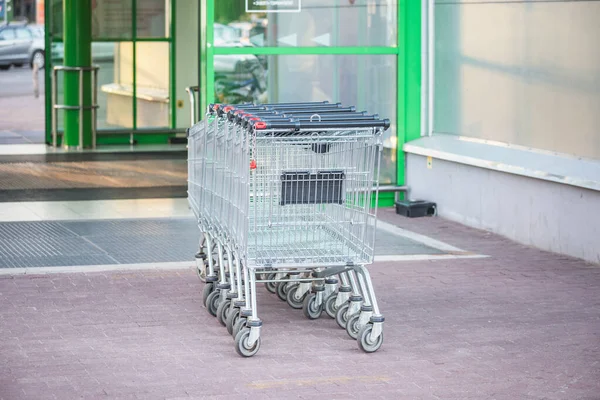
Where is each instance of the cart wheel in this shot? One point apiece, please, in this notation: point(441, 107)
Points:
point(310, 307)
point(271, 286)
point(232, 318)
point(201, 272)
point(352, 327)
point(241, 344)
point(330, 306)
point(291, 300)
point(238, 326)
point(365, 342)
point(282, 289)
point(341, 316)
point(212, 303)
point(222, 311)
point(208, 289)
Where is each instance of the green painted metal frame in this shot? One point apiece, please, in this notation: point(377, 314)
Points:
point(47, 69)
point(173, 62)
point(154, 138)
point(77, 53)
point(297, 51)
point(408, 56)
point(409, 80)
point(134, 67)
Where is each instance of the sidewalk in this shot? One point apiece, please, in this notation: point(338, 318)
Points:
point(23, 114)
point(520, 324)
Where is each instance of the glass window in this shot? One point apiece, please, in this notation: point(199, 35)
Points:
point(115, 85)
point(23, 33)
point(112, 19)
point(37, 31)
point(152, 90)
point(56, 18)
point(367, 82)
point(318, 23)
point(7, 34)
point(152, 18)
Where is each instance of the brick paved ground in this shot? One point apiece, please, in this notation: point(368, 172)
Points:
point(22, 113)
point(522, 324)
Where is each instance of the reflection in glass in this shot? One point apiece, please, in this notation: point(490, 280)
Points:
point(112, 19)
point(152, 91)
point(319, 23)
point(239, 78)
point(367, 82)
point(152, 17)
point(115, 90)
point(56, 18)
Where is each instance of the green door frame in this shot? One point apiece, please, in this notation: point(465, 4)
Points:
point(408, 56)
point(140, 135)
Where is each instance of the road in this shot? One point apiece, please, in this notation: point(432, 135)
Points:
point(22, 116)
point(18, 82)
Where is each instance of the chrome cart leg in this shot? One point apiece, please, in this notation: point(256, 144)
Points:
point(226, 304)
point(211, 277)
point(352, 307)
point(357, 321)
point(370, 336)
point(332, 296)
point(218, 296)
point(234, 313)
point(247, 341)
point(201, 260)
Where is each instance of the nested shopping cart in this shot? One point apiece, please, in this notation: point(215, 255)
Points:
point(286, 195)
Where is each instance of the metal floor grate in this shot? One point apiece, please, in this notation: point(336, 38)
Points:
point(126, 241)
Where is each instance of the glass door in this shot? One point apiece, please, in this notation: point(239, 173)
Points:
point(311, 50)
point(133, 44)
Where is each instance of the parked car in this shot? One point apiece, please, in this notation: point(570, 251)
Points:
point(19, 45)
point(101, 51)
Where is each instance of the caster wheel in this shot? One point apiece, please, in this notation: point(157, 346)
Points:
point(341, 316)
point(310, 308)
point(352, 327)
point(365, 342)
point(291, 300)
point(201, 272)
point(212, 303)
point(282, 289)
point(271, 286)
point(208, 289)
point(330, 306)
point(222, 312)
point(232, 317)
point(238, 326)
point(241, 344)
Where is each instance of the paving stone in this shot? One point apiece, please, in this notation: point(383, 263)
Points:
point(521, 324)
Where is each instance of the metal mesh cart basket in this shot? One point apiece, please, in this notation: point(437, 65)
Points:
point(286, 195)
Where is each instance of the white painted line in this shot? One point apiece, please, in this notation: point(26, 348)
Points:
point(98, 268)
point(427, 257)
point(426, 240)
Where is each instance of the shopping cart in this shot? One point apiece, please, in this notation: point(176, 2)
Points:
point(286, 195)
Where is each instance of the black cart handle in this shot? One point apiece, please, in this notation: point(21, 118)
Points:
point(297, 125)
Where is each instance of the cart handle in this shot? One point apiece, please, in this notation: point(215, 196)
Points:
point(326, 109)
point(297, 125)
point(245, 122)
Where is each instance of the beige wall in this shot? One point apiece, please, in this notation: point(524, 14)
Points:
point(523, 72)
